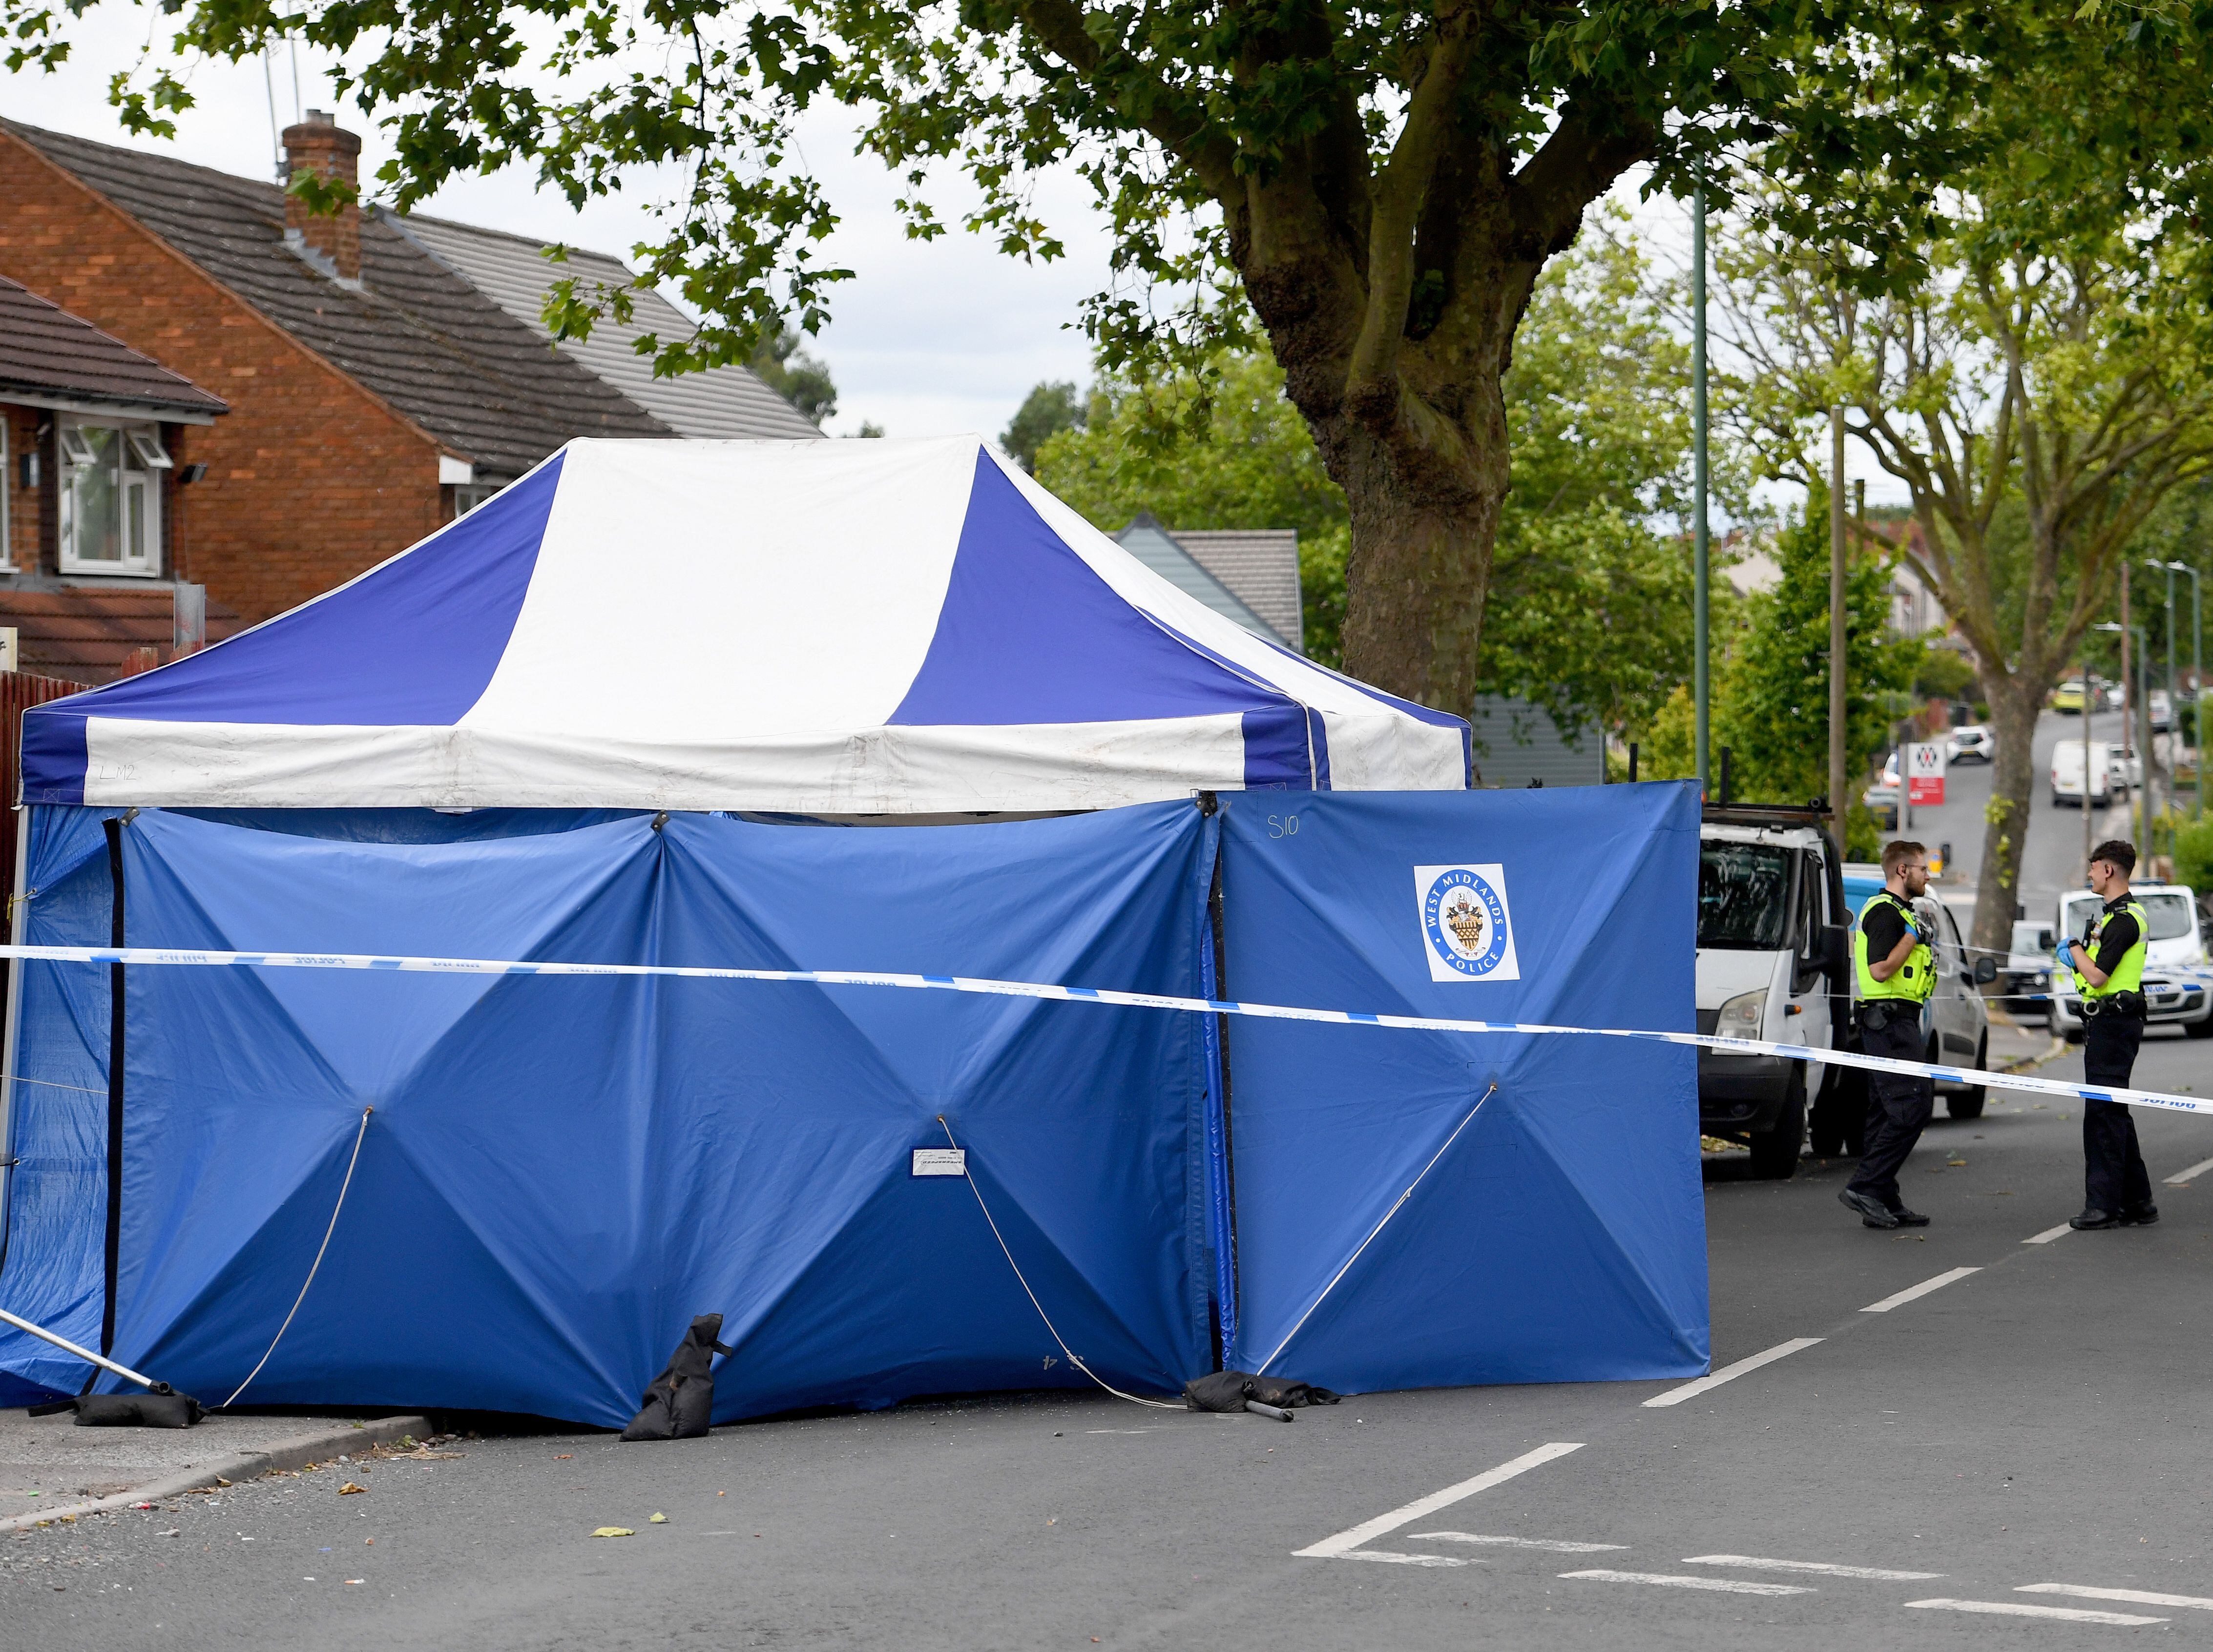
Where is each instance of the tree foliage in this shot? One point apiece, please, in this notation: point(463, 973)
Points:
point(2044, 382)
point(1049, 409)
point(795, 375)
point(1382, 183)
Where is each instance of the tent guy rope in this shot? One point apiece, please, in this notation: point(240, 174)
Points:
point(1135, 1399)
point(312, 1266)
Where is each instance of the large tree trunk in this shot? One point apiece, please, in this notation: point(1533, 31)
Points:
point(2013, 707)
point(1419, 570)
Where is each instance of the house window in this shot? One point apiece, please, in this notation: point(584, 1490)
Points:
point(111, 498)
point(467, 496)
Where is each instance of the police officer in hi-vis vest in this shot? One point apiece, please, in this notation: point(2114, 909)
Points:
point(2108, 964)
point(1894, 976)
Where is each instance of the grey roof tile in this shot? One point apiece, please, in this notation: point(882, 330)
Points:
point(416, 333)
point(514, 272)
point(1261, 565)
point(45, 350)
point(1160, 551)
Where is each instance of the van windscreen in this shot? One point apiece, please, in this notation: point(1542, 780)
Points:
point(1744, 897)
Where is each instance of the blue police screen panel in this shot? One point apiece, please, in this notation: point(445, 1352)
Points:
point(559, 1173)
point(1560, 1236)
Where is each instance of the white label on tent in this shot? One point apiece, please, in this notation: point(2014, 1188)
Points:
point(941, 1162)
point(1467, 927)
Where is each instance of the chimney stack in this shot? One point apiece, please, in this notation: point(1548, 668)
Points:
point(319, 145)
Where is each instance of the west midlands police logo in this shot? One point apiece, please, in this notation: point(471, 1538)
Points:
point(1466, 926)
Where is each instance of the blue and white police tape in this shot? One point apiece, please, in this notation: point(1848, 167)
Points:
point(166, 956)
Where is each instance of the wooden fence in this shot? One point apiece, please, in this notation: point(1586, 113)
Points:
point(19, 692)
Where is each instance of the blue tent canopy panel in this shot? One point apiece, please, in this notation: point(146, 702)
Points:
point(560, 1172)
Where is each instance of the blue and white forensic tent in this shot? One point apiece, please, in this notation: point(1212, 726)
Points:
point(874, 706)
point(843, 627)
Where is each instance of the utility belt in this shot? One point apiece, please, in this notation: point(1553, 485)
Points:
point(2130, 1004)
point(1876, 1014)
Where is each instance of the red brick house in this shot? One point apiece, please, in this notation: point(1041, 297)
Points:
point(375, 387)
point(96, 445)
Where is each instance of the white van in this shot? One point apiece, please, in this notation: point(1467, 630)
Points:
point(2174, 993)
point(2067, 773)
point(1773, 964)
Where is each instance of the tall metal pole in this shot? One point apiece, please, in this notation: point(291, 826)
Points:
point(2143, 731)
point(2174, 699)
point(1702, 685)
point(2128, 713)
point(1839, 781)
point(2197, 697)
point(2089, 837)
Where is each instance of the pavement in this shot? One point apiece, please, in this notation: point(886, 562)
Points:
point(51, 1470)
point(1929, 1439)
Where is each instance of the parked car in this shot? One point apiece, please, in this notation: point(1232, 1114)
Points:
point(2160, 704)
point(1881, 801)
point(1974, 743)
point(2127, 767)
point(2025, 981)
point(2067, 698)
point(2067, 773)
point(2175, 993)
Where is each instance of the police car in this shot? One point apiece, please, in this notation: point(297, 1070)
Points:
point(2178, 985)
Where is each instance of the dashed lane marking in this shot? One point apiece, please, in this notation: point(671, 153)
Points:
point(2139, 1597)
point(1397, 1559)
point(2183, 1179)
point(1341, 1545)
point(1914, 1292)
point(2022, 1609)
point(2048, 1235)
point(1712, 1585)
point(1731, 1372)
point(1557, 1545)
point(1759, 1563)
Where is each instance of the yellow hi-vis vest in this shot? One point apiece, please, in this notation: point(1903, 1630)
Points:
point(2128, 978)
point(1916, 978)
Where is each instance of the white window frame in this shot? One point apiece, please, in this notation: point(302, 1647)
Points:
point(137, 490)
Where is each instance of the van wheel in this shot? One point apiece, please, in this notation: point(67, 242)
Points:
point(1775, 1152)
point(1969, 1104)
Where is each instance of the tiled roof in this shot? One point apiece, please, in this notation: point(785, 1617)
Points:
point(46, 352)
point(84, 633)
point(1159, 550)
point(1260, 564)
point(513, 271)
point(416, 333)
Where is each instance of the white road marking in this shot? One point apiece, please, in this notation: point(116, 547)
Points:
point(2022, 1609)
point(1668, 1581)
point(1755, 1563)
point(1331, 1548)
point(1730, 1372)
point(1403, 1559)
point(2141, 1597)
point(2048, 1235)
point(1913, 1292)
point(2191, 1174)
point(1558, 1546)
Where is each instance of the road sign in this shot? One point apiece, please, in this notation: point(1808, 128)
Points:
point(1924, 774)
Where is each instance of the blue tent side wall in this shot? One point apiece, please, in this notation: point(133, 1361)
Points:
point(559, 1173)
point(1561, 1237)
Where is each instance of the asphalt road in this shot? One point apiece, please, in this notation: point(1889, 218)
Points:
point(2051, 859)
point(2038, 1425)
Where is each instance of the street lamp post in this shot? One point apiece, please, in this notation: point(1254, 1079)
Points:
point(2132, 709)
point(1701, 677)
point(2197, 689)
point(2173, 700)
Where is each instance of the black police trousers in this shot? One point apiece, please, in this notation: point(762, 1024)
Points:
point(2113, 1175)
point(1899, 1106)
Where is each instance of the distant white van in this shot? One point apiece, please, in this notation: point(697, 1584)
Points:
point(2067, 773)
